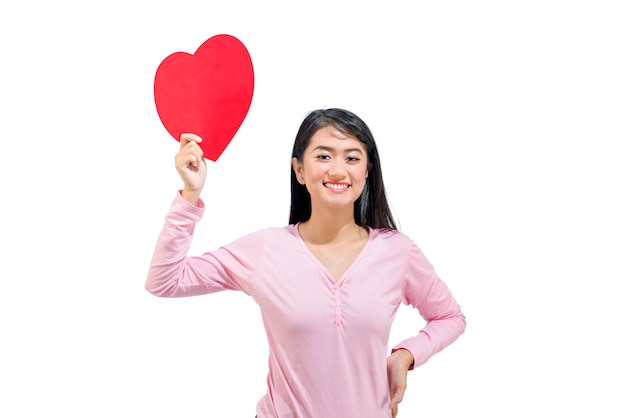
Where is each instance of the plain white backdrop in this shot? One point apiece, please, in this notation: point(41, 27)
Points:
point(501, 128)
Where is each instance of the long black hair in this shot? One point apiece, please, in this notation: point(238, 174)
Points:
point(371, 209)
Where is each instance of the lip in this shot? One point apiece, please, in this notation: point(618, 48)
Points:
point(329, 185)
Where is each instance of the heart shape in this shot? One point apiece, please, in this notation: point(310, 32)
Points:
point(208, 93)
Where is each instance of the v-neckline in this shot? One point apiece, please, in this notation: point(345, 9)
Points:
point(337, 281)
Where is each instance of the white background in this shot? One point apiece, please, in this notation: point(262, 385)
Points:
point(501, 129)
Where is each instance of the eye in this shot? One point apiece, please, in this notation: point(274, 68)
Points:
point(353, 159)
point(323, 157)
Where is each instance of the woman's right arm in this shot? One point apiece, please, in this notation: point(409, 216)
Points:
point(167, 269)
point(172, 272)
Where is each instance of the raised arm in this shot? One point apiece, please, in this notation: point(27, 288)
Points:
point(172, 272)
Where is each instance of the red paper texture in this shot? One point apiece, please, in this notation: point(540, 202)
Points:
point(208, 93)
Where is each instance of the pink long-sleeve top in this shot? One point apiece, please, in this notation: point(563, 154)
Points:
point(328, 339)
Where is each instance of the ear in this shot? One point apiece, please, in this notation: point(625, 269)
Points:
point(369, 167)
point(298, 170)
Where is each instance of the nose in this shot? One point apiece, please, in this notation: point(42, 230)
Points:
point(337, 171)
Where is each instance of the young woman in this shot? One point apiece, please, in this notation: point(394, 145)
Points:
point(328, 285)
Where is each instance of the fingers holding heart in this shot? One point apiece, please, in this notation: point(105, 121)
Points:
point(190, 154)
point(191, 166)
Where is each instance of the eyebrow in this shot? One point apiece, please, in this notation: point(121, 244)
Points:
point(329, 149)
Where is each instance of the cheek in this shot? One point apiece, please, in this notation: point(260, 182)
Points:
point(358, 181)
point(359, 175)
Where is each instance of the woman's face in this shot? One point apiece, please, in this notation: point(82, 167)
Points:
point(334, 168)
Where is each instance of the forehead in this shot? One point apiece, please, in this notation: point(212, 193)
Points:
point(331, 137)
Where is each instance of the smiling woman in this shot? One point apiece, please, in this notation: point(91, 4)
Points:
point(371, 208)
point(334, 170)
point(328, 284)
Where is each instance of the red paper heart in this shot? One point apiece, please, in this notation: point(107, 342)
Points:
point(208, 93)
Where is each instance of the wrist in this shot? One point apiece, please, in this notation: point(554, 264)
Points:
point(405, 357)
point(191, 196)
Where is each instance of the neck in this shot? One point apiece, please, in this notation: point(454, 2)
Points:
point(327, 225)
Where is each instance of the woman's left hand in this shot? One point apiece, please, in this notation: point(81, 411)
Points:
point(398, 364)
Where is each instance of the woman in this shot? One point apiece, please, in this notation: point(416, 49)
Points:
point(328, 284)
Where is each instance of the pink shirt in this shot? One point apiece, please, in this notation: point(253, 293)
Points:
point(328, 340)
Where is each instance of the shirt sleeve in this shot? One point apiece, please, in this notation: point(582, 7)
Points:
point(427, 293)
point(173, 273)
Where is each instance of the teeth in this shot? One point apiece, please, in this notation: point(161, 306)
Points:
point(337, 186)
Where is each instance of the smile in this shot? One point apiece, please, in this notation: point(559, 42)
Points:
point(337, 186)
